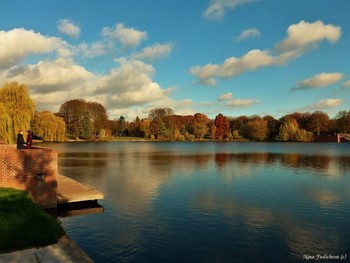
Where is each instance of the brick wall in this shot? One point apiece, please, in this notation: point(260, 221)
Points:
point(33, 170)
point(326, 138)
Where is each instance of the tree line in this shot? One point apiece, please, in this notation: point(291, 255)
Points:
point(79, 119)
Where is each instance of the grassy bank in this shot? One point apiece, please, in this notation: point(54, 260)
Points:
point(24, 224)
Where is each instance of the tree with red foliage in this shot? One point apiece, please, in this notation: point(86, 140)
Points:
point(222, 125)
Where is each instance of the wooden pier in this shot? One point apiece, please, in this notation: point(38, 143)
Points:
point(71, 191)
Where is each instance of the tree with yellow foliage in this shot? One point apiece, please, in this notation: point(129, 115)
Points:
point(16, 111)
point(48, 127)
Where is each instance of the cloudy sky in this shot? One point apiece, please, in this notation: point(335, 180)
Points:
point(236, 57)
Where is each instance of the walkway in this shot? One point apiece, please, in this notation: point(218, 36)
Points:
point(64, 251)
point(70, 191)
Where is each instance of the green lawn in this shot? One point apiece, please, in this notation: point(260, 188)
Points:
point(24, 224)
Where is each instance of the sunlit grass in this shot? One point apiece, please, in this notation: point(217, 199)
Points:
point(24, 224)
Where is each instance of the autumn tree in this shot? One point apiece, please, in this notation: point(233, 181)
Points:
point(17, 110)
point(318, 122)
point(48, 127)
point(239, 122)
point(5, 123)
point(135, 128)
point(73, 113)
point(157, 127)
point(222, 125)
point(273, 126)
point(97, 115)
point(113, 126)
point(84, 119)
point(255, 129)
point(200, 126)
point(145, 128)
point(289, 131)
point(302, 119)
point(160, 112)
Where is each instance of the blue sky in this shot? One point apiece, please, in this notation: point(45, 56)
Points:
point(236, 57)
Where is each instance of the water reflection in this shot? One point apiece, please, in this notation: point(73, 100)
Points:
point(82, 159)
point(320, 164)
point(176, 202)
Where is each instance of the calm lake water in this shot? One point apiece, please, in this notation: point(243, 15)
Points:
point(212, 202)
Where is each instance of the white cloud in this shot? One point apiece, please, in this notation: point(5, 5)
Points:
point(318, 81)
point(234, 66)
point(129, 85)
point(91, 50)
point(248, 33)
point(226, 96)
point(208, 82)
point(295, 44)
point(47, 76)
point(68, 28)
point(54, 77)
point(235, 103)
point(325, 104)
point(218, 8)
point(156, 51)
point(30, 43)
point(126, 90)
point(205, 72)
point(345, 84)
point(304, 35)
point(128, 37)
point(51, 82)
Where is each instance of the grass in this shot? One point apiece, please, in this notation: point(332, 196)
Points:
point(24, 224)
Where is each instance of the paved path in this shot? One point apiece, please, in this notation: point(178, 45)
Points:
point(64, 251)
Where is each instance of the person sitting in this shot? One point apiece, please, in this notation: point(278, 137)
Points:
point(20, 140)
point(29, 140)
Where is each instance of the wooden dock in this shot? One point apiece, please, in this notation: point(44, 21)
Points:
point(71, 191)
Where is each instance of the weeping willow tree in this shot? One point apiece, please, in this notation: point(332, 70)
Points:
point(17, 111)
point(48, 127)
point(5, 123)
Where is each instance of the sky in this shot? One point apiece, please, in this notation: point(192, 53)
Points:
point(235, 57)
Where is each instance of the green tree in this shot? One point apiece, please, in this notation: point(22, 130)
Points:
point(48, 127)
point(85, 131)
point(343, 121)
point(18, 110)
point(157, 127)
point(84, 119)
point(289, 131)
point(122, 126)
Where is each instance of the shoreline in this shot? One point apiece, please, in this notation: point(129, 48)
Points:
point(65, 250)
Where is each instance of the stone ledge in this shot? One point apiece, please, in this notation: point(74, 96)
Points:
point(64, 251)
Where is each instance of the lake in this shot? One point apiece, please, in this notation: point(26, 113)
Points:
point(212, 202)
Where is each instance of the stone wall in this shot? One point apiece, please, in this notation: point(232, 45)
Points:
point(33, 170)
